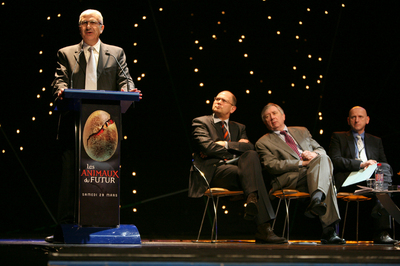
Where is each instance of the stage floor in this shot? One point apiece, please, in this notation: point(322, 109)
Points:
point(187, 252)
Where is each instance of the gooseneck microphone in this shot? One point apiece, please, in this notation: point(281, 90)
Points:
point(76, 63)
point(123, 71)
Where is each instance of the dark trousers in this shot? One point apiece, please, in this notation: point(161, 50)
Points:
point(382, 221)
point(246, 174)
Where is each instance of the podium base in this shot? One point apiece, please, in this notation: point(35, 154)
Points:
point(123, 234)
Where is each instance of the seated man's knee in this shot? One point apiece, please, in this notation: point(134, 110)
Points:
point(322, 157)
point(250, 154)
point(228, 169)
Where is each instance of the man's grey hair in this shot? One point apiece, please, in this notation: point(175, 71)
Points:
point(269, 106)
point(92, 11)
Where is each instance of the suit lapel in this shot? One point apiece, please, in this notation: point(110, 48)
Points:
point(217, 128)
point(350, 144)
point(297, 137)
point(276, 140)
point(81, 60)
point(103, 60)
point(366, 142)
point(234, 131)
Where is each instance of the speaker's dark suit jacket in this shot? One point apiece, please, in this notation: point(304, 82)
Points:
point(109, 74)
point(342, 153)
point(205, 134)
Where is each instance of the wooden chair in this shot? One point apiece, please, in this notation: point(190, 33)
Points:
point(287, 195)
point(215, 193)
point(348, 197)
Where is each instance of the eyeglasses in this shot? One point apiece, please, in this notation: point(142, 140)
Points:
point(92, 23)
point(217, 99)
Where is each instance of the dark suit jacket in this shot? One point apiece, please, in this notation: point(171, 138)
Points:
point(205, 133)
point(109, 77)
point(342, 153)
point(280, 160)
point(109, 74)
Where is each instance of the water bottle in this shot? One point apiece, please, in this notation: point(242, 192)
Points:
point(379, 178)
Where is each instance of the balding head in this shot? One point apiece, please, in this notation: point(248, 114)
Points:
point(358, 119)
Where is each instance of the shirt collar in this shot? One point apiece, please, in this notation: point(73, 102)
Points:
point(355, 134)
point(217, 120)
point(278, 132)
point(96, 46)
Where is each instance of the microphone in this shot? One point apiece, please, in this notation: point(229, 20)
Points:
point(126, 76)
point(76, 63)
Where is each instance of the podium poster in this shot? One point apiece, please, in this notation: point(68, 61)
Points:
point(99, 170)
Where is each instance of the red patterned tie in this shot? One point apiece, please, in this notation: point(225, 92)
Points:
point(225, 132)
point(289, 141)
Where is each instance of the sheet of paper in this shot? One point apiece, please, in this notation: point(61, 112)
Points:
point(359, 176)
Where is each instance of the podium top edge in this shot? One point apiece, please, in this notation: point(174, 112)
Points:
point(101, 95)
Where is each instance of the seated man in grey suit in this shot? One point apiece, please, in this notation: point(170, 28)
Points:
point(299, 162)
point(218, 139)
point(354, 150)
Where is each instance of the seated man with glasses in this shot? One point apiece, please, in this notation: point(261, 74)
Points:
point(218, 139)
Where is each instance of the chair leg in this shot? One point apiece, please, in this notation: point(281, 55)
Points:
point(215, 223)
point(276, 213)
point(358, 210)
point(345, 217)
point(288, 227)
point(287, 204)
point(202, 221)
point(394, 231)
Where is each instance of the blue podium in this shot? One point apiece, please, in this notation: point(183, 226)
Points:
point(97, 167)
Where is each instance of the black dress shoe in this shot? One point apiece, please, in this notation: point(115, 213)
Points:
point(49, 239)
point(384, 238)
point(251, 210)
point(265, 235)
point(332, 238)
point(54, 240)
point(315, 208)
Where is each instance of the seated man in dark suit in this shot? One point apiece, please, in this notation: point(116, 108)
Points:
point(299, 162)
point(354, 150)
point(218, 139)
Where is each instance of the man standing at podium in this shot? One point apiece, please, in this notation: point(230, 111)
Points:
point(89, 65)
